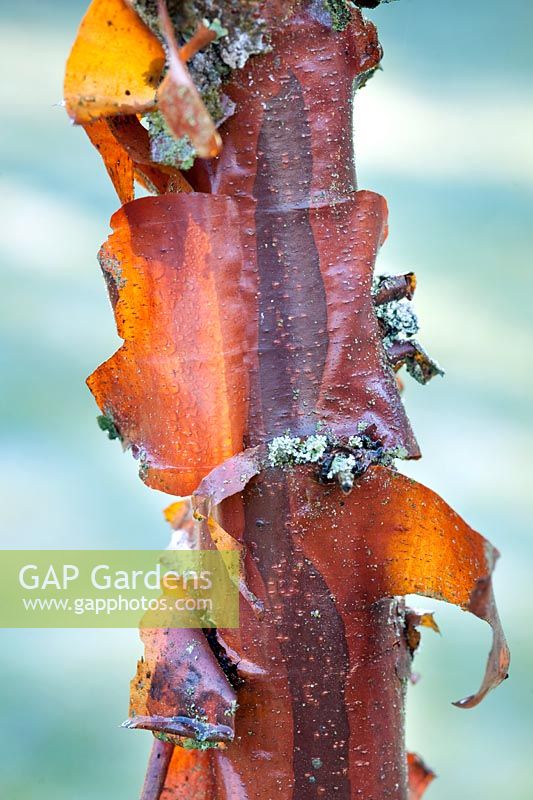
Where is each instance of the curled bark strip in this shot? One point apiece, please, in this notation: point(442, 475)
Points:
point(420, 776)
point(330, 651)
point(124, 146)
point(134, 138)
point(190, 776)
point(117, 161)
point(177, 389)
point(395, 287)
point(206, 363)
point(178, 98)
point(421, 546)
point(209, 363)
point(228, 479)
point(115, 64)
point(156, 772)
point(180, 690)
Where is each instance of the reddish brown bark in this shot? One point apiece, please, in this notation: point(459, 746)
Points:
point(320, 662)
point(246, 311)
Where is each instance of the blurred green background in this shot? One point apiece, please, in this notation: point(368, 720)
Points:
point(444, 132)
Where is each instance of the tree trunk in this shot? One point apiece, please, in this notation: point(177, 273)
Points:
point(324, 717)
point(258, 375)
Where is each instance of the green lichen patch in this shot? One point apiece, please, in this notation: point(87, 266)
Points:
point(339, 12)
point(217, 27)
point(398, 319)
point(106, 424)
point(340, 461)
point(289, 450)
point(194, 744)
point(165, 149)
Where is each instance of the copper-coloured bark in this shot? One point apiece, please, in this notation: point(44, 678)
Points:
point(177, 390)
point(420, 776)
point(316, 239)
point(292, 125)
point(115, 64)
point(294, 340)
point(213, 359)
point(322, 564)
point(157, 770)
point(246, 311)
point(117, 162)
point(424, 546)
point(190, 776)
point(323, 667)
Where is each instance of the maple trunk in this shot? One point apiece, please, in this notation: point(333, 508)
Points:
point(325, 718)
point(337, 669)
point(257, 377)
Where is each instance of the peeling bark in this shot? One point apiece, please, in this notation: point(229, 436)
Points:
point(245, 299)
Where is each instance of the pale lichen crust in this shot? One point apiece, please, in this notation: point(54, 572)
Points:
point(399, 320)
point(165, 149)
point(399, 325)
point(336, 460)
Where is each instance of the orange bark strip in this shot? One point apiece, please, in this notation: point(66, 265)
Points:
point(179, 101)
point(329, 651)
point(115, 64)
point(158, 765)
point(420, 776)
point(133, 137)
point(190, 776)
point(117, 162)
point(178, 387)
point(124, 146)
point(416, 542)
